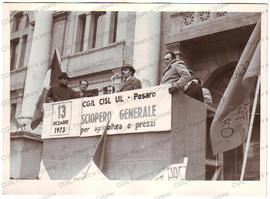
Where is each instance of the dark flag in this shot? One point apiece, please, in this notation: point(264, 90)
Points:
point(51, 79)
point(230, 124)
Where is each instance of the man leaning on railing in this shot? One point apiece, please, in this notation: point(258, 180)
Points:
point(62, 91)
point(175, 73)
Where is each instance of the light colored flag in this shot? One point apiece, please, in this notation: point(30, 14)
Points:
point(253, 71)
point(94, 168)
point(90, 172)
point(99, 155)
point(50, 80)
point(230, 124)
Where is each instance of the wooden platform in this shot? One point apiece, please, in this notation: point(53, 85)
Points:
point(139, 156)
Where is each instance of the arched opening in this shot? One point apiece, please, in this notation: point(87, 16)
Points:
point(219, 80)
point(17, 19)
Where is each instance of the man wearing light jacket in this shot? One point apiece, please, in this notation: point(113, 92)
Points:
point(176, 73)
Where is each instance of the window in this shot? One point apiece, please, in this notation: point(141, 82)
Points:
point(90, 32)
point(19, 50)
point(80, 33)
point(95, 27)
point(94, 36)
point(13, 53)
point(113, 27)
point(17, 21)
point(13, 108)
point(107, 90)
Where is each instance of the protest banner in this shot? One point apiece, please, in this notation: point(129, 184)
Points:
point(142, 110)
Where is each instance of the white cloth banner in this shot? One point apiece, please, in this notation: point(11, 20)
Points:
point(136, 111)
point(173, 172)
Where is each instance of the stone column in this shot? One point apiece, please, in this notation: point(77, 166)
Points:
point(100, 31)
point(19, 54)
point(107, 31)
point(88, 34)
point(69, 37)
point(122, 24)
point(37, 65)
point(19, 102)
point(147, 47)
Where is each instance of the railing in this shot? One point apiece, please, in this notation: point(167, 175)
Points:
point(188, 25)
point(195, 18)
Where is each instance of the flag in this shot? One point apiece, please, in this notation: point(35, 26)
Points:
point(230, 124)
point(50, 80)
point(95, 167)
point(99, 155)
point(253, 71)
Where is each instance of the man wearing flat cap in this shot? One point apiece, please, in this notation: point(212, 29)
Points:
point(129, 82)
point(61, 92)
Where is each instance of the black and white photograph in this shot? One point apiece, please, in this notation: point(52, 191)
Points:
point(127, 93)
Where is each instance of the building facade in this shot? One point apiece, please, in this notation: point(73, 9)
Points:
point(94, 46)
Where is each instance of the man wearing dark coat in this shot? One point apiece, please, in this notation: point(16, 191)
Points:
point(195, 89)
point(129, 82)
point(60, 92)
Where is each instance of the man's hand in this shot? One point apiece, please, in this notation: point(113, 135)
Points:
point(173, 89)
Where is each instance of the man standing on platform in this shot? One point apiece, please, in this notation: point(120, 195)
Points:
point(62, 91)
point(195, 90)
point(82, 92)
point(176, 73)
point(129, 82)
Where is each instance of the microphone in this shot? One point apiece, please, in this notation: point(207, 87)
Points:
point(115, 76)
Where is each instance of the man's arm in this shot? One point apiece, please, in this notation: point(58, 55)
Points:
point(207, 96)
point(49, 96)
point(184, 74)
point(75, 95)
point(137, 84)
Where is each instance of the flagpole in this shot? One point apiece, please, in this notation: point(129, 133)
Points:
point(250, 128)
